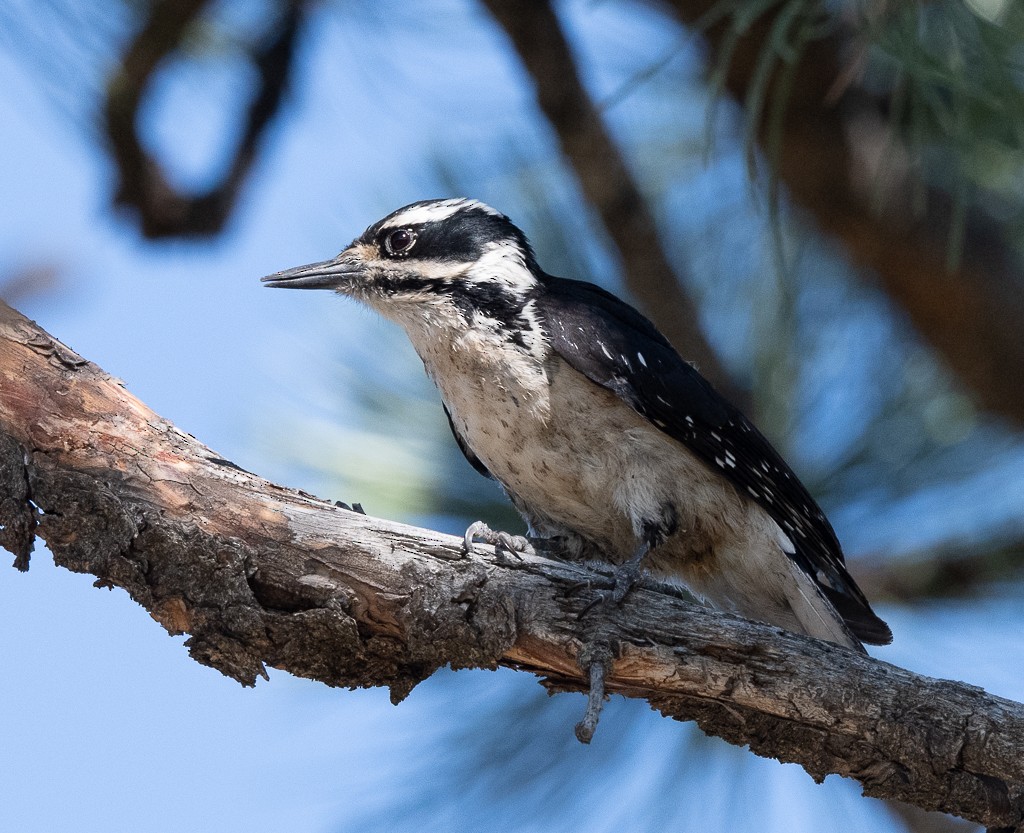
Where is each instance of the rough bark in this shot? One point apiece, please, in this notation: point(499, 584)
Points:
point(261, 575)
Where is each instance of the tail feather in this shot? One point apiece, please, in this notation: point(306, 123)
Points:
point(859, 618)
point(816, 614)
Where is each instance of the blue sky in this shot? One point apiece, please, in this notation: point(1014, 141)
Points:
point(108, 724)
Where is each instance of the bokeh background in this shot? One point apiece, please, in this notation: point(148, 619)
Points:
point(821, 203)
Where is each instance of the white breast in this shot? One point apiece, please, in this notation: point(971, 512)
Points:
point(569, 452)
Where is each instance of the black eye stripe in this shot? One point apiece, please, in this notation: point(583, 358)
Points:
point(400, 242)
point(462, 238)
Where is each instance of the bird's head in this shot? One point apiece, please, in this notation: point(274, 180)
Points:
point(458, 254)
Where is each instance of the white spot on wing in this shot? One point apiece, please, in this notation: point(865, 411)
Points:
point(643, 361)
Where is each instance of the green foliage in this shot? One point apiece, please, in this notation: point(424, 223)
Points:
point(949, 74)
point(795, 24)
point(952, 74)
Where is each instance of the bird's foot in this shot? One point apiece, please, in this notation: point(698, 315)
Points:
point(624, 578)
point(504, 543)
point(579, 586)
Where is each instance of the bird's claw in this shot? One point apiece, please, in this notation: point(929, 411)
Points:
point(624, 578)
point(600, 599)
point(504, 544)
point(577, 586)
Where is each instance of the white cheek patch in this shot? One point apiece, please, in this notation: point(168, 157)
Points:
point(503, 264)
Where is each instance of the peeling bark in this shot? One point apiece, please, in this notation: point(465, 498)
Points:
point(261, 575)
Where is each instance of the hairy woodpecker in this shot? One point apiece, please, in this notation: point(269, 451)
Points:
point(602, 436)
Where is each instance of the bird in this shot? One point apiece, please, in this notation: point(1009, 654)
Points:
point(609, 444)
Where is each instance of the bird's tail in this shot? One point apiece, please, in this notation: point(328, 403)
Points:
point(816, 614)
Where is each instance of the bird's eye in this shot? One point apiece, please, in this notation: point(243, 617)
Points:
point(400, 242)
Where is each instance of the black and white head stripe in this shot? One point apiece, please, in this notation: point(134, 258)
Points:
point(459, 250)
point(456, 231)
point(434, 211)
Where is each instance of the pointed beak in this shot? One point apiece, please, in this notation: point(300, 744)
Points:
point(328, 274)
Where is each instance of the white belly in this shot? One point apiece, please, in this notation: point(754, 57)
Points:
point(574, 456)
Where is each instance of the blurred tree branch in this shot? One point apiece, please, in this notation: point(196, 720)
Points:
point(944, 574)
point(24, 283)
point(162, 210)
point(606, 182)
point(820, 145)
point(262, 575)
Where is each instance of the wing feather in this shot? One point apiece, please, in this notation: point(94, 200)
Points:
point(474, 461)
point(618, 348)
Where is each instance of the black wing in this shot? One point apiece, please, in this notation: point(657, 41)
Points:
point(613, 345)
point(474, 461)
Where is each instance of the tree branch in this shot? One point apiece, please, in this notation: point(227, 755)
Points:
point(142, 185)
point(262, 575)
point(956, 572)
